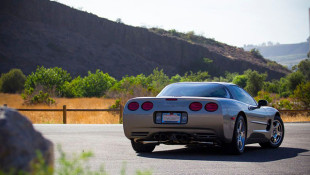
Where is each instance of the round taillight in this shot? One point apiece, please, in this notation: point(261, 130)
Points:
point(195, 106)
point(147, 106)
point(133, 106)
point(211, 107)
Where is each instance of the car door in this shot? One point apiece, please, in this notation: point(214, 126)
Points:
point(257, 118)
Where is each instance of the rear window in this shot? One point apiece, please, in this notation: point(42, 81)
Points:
point(195, 90)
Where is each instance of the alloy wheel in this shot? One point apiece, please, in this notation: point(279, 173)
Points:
point(277, 132)
point(241, 135)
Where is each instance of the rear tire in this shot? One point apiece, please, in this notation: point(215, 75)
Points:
point(142, 148)
point(239, 137)
point(277, 136)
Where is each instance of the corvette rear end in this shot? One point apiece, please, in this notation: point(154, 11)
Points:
point(181, 120)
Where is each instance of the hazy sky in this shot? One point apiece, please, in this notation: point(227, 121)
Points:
point(234, 22)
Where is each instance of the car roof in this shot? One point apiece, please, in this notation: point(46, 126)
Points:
point(222, 83)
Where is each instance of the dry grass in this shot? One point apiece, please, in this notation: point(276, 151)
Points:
point(15, 101)
point(303, 117)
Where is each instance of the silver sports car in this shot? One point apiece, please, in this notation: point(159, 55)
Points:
point(202, 113)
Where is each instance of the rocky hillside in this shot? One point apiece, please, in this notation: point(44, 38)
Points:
point(42, 32)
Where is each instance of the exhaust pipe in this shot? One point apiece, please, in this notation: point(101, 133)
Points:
point(150, 142)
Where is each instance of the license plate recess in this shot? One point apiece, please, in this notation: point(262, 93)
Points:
point(171, 117)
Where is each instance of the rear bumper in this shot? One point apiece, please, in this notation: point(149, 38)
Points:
point(201, 126)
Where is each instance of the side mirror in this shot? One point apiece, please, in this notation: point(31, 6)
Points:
point(262, 103)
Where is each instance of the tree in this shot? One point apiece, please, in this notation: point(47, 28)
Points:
point(255, 81)
point(302, 93)
point(294, 79)
point(304, 68)
point(13, 81)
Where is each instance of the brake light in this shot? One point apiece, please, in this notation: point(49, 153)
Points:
point(211, 107)
point(133, 106)
point(147, 106)
point(195, 106)
point(171, 99)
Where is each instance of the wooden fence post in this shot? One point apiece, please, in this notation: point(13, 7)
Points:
point(121, 113)
point(64, 118)
point(5, 105)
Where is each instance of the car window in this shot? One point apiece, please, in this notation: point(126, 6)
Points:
point(241, 95)
point(195, 90)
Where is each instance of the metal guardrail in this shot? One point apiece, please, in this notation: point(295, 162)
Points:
point(64, 110)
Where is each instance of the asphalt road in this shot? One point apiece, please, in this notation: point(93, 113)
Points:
point(112, 149)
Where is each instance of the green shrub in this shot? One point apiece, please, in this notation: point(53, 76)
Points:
point(207, 60)
point(283, 87)
point(13, 81)
point(240, 80)
point(195, 77)
point(272, 87)
point(285, 104)
point(33, 97)
point(285, 94)
point(116, 105)
point(51, 80)
point(230, 76)
point(157, 81)
point(42, 98)
point(73, 88)
point(96, 84)
point(176, 78)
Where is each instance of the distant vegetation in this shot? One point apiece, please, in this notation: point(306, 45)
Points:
point(290, 92)
point(285, 54)
point(188, 36)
